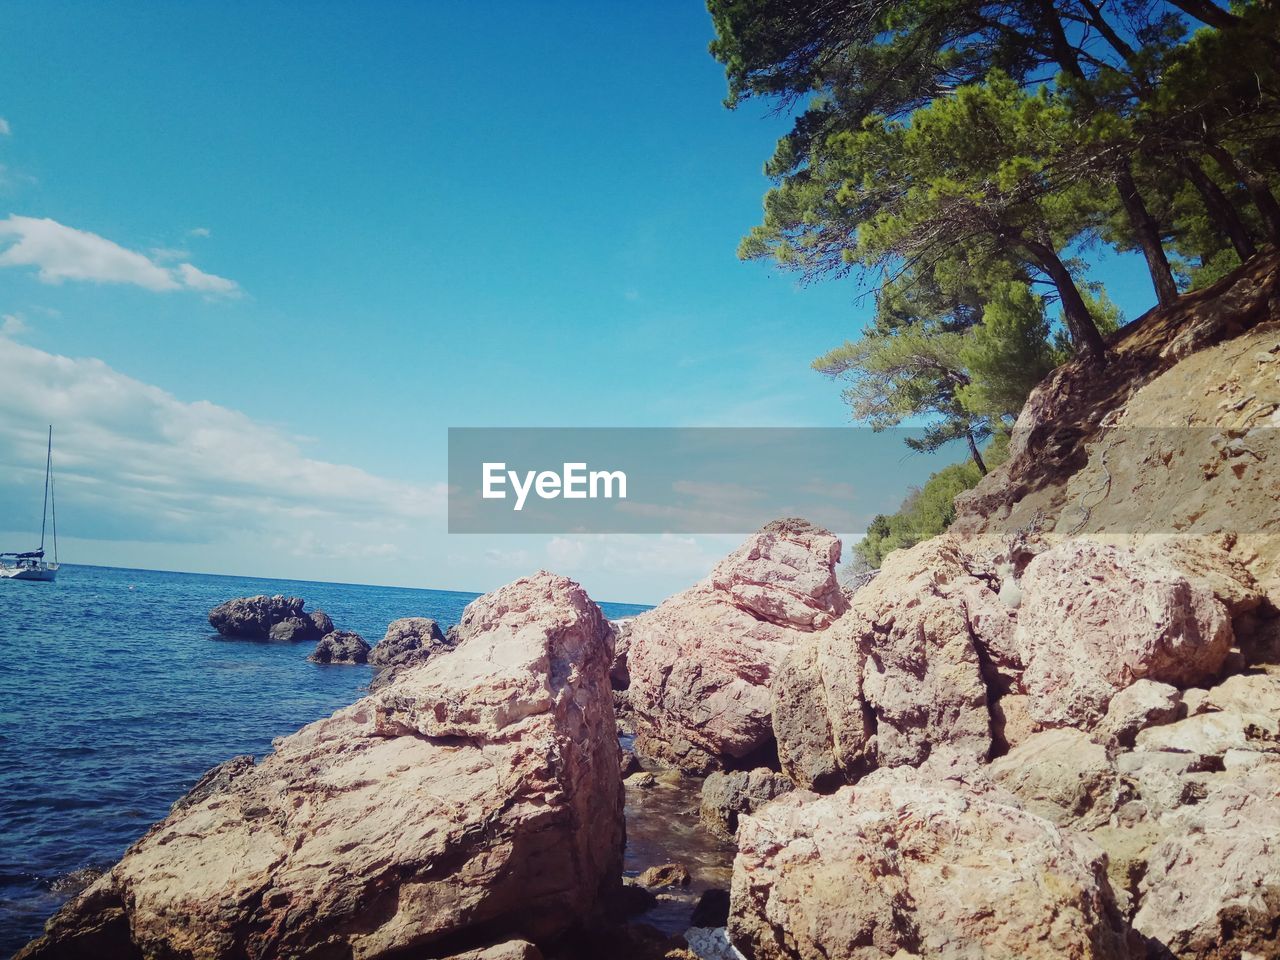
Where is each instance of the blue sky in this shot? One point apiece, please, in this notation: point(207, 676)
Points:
point(365, 223)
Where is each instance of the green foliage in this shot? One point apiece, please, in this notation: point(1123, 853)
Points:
point(969, 154)
point(927, 511)
point(1007, 354)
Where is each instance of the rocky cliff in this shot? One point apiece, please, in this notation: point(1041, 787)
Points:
point(1054, 731)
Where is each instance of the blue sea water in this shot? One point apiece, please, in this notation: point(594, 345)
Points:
point(116, 695)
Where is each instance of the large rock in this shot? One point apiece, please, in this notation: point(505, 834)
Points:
point(1062, 776)
point(1212, 885)
point(409, 640)
point(341, 647)
point(253, 617)
point(725, 796)
point(476, 797)
point(700, 665)
point(1144, 704)
point(909, 669)
point(1095, 618)
point(906, 864)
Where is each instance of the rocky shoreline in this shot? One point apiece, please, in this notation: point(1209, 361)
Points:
point(1029, 737)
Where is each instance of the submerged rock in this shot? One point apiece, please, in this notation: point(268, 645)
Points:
point(341, 647)
point(701, 664)
point(253, 617)
point(909, 863)
point(478, 793)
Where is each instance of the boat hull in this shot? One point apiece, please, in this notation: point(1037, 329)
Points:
point(44, 573)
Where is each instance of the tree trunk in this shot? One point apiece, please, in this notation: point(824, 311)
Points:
point(1206, 11)
point(1256, 184)
point(975, 454)
point(1079, 320)
point(1148, 236)
point(1219, 208)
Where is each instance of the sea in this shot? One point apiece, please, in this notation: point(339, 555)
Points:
point(116, 695)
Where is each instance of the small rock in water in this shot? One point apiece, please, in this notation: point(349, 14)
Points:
point(644, 780)
point(630, 764)
point(409, 640)
point(666, 875)
point(341, 647)
point(712, 909)
point(254, 618)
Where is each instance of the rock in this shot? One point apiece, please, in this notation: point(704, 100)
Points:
point(712, 909)
point(1212, 885)
point(665, 875)
point(341, 647)
point(711, 944)
point(253, 617)
point(320, 620)
point(293, 630)
point(1207, 563)
point(642, 780)
point(1127, 846)
point(725, 795)
point(1144, 704)
point(1213, 734)
point(1060, 775)
point(629, 764)
point(1095, 618)
point(701, 664)
point(619, 674)
point(216, 780)
point(409, 640)
point(1247, 693)
point(1161, 782)
point(511, 950)
point(906, 864)
point(824, 729)
point(905, 664)
point(1012, 721)
point(479, 792)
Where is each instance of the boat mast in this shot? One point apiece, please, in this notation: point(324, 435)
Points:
point(48, 462)
point(53, 500)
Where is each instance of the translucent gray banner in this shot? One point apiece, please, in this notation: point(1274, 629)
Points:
point(678, 480)
point(733, 480)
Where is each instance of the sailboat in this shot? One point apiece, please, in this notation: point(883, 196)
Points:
point(31, 565)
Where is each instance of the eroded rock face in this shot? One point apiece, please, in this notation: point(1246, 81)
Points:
point(1212, 885)
point(252, 618)
point(701, 664)
point(408, 640)
point(929, 865)
point(475, 798)
point(341, 647)
point(1095, 618)
point(725, 796)
point(901, 674)
point(1060, 775)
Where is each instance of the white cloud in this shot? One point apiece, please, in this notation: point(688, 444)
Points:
point(136, 463)
point(63, 253)
point(197, 279)
point(12, 324)
point(200, 232)
point(5, 129)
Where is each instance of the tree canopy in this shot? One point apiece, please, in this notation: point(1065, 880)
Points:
point(970, 157)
